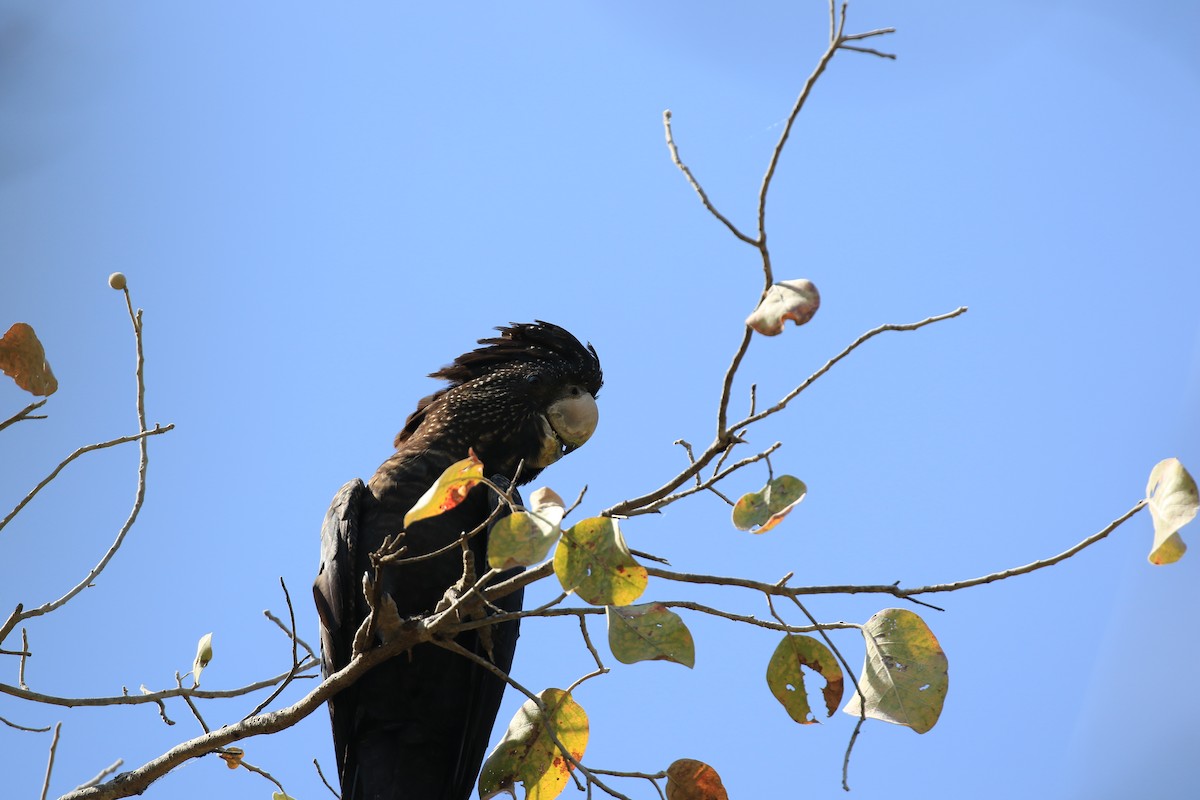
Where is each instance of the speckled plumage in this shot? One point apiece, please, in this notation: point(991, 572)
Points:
point(416, 728)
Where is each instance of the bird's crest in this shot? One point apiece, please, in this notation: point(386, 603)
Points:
point(542, 343)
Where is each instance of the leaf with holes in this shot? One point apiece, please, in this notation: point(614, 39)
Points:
point(1173, 500)
point(649, 632)
point(23, 359)
point(523, 538)
point(593, 561)
point(767, 508)
point(785, 676)
point(529, 755)
point(904, 676)
point(796, 300)
point(450, 489)
point(688, 779)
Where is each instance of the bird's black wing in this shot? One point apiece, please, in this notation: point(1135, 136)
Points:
point(335, 590)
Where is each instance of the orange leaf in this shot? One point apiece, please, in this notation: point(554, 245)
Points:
point(232, 757)
point(688, 779)
point(23, 359)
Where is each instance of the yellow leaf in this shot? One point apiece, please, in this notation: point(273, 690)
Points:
point(528, 754)
point(450, 489)
point(593, 561)
point(786, 679)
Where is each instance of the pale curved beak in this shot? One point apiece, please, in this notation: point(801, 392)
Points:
point(566, 425)
point(574, 419)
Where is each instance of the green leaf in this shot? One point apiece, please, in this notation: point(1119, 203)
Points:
point(904, 675)
point(527, 753)
point(1173, 499)
point(767, 508)
point(649, 632)
point(688, 779)
point(204, 654)
point(281, 796)
point(796, 300)
point(450, 489)
point(523, 538)
point(786, 678)
point(593, 561)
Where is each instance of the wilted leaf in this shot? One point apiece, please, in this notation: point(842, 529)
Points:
point(767, 507)
point(204, 654)
point(649, 632)
point(688, 779)
point(23, 359)
point(904, 675)
point(232, 757)
point(528, 755)
point(593, 561)
point(281, 796)
point(786, 678)
point(1173, 499)
point(796, 300)
point(450, 489)
point(524, 538)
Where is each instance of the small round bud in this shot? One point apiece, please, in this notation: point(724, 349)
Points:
point(117, 280)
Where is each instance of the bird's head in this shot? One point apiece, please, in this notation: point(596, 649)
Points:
point(528, 395)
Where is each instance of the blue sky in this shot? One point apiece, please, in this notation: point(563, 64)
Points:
point(316, 207)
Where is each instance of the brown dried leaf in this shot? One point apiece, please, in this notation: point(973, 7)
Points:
point(688, 779)
point(23, 359)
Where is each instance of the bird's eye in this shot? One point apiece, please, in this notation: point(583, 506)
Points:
point(533, 379)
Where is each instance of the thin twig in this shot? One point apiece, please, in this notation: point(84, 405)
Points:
point(279, 623)
point(263, 772)
point(587, 640)
point(654, 507)
point(894, 589)
point(79, 452)
point(321, 774)
point(910, 326)
point(696, 184)
point(25, 414)
point(12, 724)
point(104, 773)
point(150, 697)
point(24, 655)
point(291, 631)
point(50, 762)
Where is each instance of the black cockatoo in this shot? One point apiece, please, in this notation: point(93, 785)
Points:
point(416, 727)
